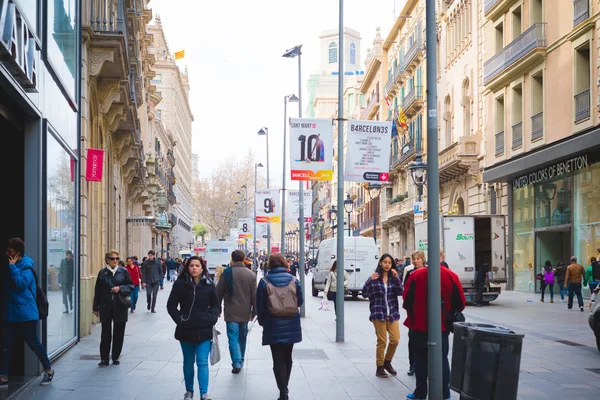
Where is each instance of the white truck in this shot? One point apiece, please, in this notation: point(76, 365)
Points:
point(218, 253)
point(468, 241)
point(360, 261)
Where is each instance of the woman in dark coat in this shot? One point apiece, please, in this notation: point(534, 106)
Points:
point(112, 287)
point(194, 307)
point(279, 332)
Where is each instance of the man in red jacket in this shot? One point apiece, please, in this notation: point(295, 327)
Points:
point(415, 304)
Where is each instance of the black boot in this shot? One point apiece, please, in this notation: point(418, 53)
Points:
point(387, 365)
point(380, 373)
point(281, 379)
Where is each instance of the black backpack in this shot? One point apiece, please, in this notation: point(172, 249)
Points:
point(40, 298)
point(596, 271)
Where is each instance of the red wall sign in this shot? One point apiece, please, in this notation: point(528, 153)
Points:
point(94, 166)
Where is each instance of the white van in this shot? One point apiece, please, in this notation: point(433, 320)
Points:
point(218, 252)
point(360, 260)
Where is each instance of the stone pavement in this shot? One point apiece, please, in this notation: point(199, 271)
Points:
point(151, 366)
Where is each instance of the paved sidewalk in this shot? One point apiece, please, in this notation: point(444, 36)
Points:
point(151, 366)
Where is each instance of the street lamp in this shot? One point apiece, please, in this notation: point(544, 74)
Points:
point(418, 170)
point(291, 98)
point(332, 217)
point(264, 131)
point(348, 206)
point(374, 190)
point(254, 251)
point(313, 230)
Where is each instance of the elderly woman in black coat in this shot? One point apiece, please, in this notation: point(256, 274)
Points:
point(111, 298)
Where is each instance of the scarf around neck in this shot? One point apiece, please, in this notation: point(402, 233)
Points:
point(114, 271)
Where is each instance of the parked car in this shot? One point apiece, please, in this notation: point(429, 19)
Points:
point(594, 318)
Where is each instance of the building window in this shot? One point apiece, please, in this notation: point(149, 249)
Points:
point(499, 37)
point(158, 114)
point(536, 12)
point(352, 54)
point(537, 106)
point(582, 82)
point(333, 53)
point(466, 103)
point(517, 23)
point(157, 78)
point(517, 117)
point(62, 43)
point(499, 139)
point(448, 120)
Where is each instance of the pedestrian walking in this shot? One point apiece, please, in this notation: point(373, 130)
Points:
point(382, 289)
point(152, 275)
point(237, 288)
point(113, 285)
point(171, 269)
point(281, 328)
point(330, 292)
point(415, 304)
point(589, 278)
point(417, 261)
point(560, 272)
point(573, 280)
point(195, 309)
point(66, 279)
point(136, 278)
point(20, 316)
point(547, 281)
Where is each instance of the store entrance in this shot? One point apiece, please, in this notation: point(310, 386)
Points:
point(12, 178)
point(553, 245)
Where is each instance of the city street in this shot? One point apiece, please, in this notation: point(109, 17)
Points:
point(151, 361)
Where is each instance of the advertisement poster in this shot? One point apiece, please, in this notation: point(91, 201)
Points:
point(262, 231)
point(267, 206)
point(94, 165)
point(311, 149)
point(245, 228)
point(419, 211)
point(293, 206)
point(368, 151)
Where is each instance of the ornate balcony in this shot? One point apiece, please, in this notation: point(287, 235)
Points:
point(525, 51)
point(389, 86)
point(397, 212)
point(459, 159)
point(416, 52)
point(413, 101)
point(406, 153)
point(372, 106)
point(537, 126)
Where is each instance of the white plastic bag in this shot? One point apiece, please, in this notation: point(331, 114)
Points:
point(215, 353)
point(324, 306)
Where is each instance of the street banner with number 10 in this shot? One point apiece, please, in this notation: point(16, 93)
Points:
point(311, 149)
point(267, 206)
point(368, 151)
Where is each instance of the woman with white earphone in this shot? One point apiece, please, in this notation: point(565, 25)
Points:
point(194, 307)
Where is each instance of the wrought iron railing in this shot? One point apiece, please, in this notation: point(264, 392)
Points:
point(532, 38)
point(499, 143)
point(416, 46)
point(372, 101)
point(582, 105)
point(537, 126)
point(415, 94)
point(517, 135)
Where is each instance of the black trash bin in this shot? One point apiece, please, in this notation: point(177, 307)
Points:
point(492, 364)
point(459, 352)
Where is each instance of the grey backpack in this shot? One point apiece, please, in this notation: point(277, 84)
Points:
point(283, 300)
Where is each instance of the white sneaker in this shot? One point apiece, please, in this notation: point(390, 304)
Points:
point(562, 300)
point(188, 395)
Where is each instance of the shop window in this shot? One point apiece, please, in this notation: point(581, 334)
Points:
point(553, 203)
point(62, 40)
point(523, 239)
point(61, 267)
point(517, 23)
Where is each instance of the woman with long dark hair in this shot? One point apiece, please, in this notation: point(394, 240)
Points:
point(195, 309)
point(112, 286)
point(279, 332)
point(547, 281)
point(382, 289)
point(330, 292)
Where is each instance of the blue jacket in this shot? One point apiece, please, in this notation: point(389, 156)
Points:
point(276, 329)
point(20, 292)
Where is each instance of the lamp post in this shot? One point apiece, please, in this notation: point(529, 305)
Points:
point(286, 99)
point(333, 217)
point(294, 52)
point(434, 295)
point(321, 223)
point(374, 190)
point(313, 231)
point(418, 171)
point(256, 166)
point(264, 131)
point(349, 207)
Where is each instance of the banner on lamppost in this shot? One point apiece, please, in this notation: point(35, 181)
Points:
point(367, 152)
point(245, 228)
point(419, 211)
point(262, 231)
point(267, 206)
point(311, 149)
point(293, 206)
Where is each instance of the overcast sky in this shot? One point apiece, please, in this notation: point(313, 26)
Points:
point(238, 78)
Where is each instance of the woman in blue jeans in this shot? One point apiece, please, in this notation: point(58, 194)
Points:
point(20, 316)
point(194, 307)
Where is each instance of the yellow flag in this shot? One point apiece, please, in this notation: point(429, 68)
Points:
point(179, 54)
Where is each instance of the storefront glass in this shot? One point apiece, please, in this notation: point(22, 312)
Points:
point(62, 268)
point(553, 203)
point(523, 234)
point(587, 214)
point(62, 41)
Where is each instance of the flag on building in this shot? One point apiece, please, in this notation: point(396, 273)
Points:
point(179, 54)
point(401, 121)
point(388, 101)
